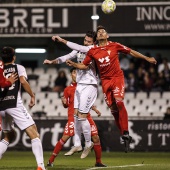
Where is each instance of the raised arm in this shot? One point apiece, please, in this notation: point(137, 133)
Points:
point(61, 59)
point(139, 55)
point(73, 46)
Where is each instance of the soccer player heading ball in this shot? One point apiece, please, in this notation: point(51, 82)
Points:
point(105, 55)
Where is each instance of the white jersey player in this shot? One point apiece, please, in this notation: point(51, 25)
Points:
point(85, 94)
point(12, 109)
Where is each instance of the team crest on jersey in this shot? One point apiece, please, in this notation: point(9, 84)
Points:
point(109, 52)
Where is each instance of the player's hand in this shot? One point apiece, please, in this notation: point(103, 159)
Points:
point(151, 60)
point(13, 78)
point(47, 61)
point(64, 101)
point(32, 102)
point(98, 113)
point(96, 110)
point(59, 39)
point(69, 62)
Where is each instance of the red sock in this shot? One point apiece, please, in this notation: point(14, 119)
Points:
point(98, 152)
point(56, 150)
point(116, 116)
point(123, 116)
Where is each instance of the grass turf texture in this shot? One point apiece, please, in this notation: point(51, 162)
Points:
point(114, 160)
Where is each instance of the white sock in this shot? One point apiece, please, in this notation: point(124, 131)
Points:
point(86, 131)
point(3, 147)
point(38, 151)
point(77, 132)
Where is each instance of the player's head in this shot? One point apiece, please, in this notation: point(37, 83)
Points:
point(73, 73)
point(101, 33)
point(90, 38)
point(7, 54)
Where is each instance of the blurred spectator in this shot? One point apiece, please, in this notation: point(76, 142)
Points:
point(161, 82)
point(154, 76)
point(131, 83)
point(166, 73)
point(164, 64)
point(148, 82)
point(60, 82)
point(131, 69)
point(140, 79)
point(124, 62)
point(158, 58)
point(167, 114)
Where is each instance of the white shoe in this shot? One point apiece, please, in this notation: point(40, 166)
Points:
point(73, 150)
point(86, 151)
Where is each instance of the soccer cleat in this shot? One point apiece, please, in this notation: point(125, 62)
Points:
point(86, 151)
point(121, 140)
point(98, 164)
point(40, 168)
point(50, 164)
point(73, 150)
point(127, 140)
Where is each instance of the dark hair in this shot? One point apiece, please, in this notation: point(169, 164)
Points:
point(72, 69)
point(101, 27)
point(91, 34)
point(7, 54)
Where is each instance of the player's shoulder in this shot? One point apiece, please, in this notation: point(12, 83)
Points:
point(20, 67)
point(1, 65)
point(94, 48)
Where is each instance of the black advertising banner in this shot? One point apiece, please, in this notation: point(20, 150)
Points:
point(35, 20)
point(138, 19)
point(73, 19)
point(147, 135)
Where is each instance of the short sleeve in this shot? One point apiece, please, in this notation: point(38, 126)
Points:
point(88, 58)
point(21, 71)
point(122, 48)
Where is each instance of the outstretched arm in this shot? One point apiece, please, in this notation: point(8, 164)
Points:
point(61, 59)
point(139, 55)
point(80, 66)
point(73, 46)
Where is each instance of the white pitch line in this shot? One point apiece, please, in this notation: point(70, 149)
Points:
point(123, 166)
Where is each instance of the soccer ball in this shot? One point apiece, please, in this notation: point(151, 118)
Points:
point(108, 6)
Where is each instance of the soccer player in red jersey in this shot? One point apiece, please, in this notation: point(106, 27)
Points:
point(106, 56)
point(68, 102)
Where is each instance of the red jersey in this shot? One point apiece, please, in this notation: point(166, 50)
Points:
point(3, 81)
point(107, 59)
point(69, 95)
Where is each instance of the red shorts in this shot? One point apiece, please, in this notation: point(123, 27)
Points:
point(113, 88)
point(69, 128)
point(94, 130)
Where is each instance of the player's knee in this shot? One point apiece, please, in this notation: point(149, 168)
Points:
point(119, 104)
point(10, 136)
point(96, 139)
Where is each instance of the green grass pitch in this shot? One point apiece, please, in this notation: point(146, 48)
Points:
point(13, 160)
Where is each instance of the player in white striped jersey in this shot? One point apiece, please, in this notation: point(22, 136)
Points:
point(86, 91)
point(13, 110)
